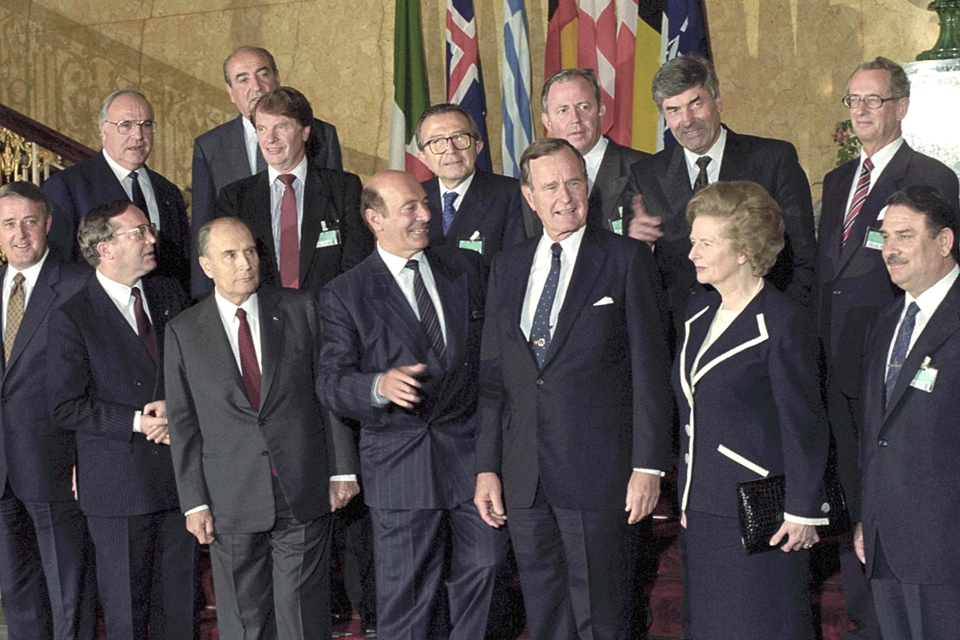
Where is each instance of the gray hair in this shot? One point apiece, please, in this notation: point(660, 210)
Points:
point(28, 191)
point(899, 82)
point(682, 74)
point(566, 75)
point(439, 109)
point(105, 105)
point(95, 227)
point(546, 147)
point(266, 54)
point(203, 234)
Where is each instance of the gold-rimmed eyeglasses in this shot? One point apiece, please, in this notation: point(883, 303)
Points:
point(140, 232)
point(127, 126)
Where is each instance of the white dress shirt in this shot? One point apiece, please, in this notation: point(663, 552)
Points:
point(143, 177)
point(461, 191)
point(593, 159)
point(123, 299)
point(276, 197)
point(928, 301)
point(880, 161)
point(716, 157)
point(30, 275)
point(250, 143)
point(404, 278)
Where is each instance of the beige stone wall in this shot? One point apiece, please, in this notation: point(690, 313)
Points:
point(782, 63)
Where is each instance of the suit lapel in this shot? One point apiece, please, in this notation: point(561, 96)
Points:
point(216, 341)
point(160, 311)
point(471, 210)
point(516, 291)
point(395, 311)
point(586, 271)
point(315, 200)
point(41, 298)
point(735, 164)
point(831, 234)
point(260, 221)
point(118, 327)
point(452, 291)
point(943, 324)
point(107, 180)
point(675, 183)
point(237, 145)
point(606, 187)
point(747, 330)
point(272, 321)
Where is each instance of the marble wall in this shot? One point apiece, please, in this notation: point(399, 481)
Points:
point(782, 63)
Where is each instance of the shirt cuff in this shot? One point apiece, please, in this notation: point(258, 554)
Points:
point(376, 399)
point(813, 522)
point(202, 507)
point(136, 421)
point(350, 477)
point(654, 472)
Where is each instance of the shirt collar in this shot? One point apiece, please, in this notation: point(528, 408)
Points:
point(715, 152)
point(228, 310)
point(123, 172)
point(300, 171)
point(396, 264)
point(30, 274)
point(248, 128)
point(929, 300)
point(118, 292)
point(570, 244)
point(460, 190)
point(596, 154)
point(883, 157)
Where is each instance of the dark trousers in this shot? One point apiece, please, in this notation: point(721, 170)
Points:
point(145, 575)
point(571, 570)
point(420, 551)
point(913, 611)
point(353, 541)
point(857, 596)
point(274, 584)
point(46, 581)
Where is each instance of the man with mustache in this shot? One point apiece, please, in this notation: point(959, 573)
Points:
point(229, 152)
point(105, 383)
point(687, 93)
point(401, 348)
point(127, 127)
point(853, 279)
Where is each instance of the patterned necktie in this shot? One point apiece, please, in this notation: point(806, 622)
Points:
point(900, 347)
point(261, 162)
point(136, 194)
point(144, 328)
point(428, 313)
point(540, 331)
point(289, 235)
point(859, 196)
point(15, 307)
point(448, 211)
point(702, 179)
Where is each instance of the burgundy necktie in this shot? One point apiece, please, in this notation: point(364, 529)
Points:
point(144, 328)
point(863, 189)
point(249, 367)
point(289, 235)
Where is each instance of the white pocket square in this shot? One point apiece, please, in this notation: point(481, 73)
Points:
point(602, 301)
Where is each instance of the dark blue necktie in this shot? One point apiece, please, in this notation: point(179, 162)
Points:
point(136, 194)
point(540, 331)
point(900, 347)
point(448, 211)
point(428, 313)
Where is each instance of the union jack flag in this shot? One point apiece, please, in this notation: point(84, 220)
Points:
point(464, 79)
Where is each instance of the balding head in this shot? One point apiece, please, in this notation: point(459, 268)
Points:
point(395, 207)
point(228, 255)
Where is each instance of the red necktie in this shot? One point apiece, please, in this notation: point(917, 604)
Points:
point(289, 235)
point(863, 188)
point(144, 328)
point(249, 368)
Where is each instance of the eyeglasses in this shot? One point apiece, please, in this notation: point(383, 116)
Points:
point(127, 126)
point(872, 101)
point(460, 141)
point(141, 232)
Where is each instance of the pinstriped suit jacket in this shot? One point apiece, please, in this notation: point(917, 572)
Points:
point(421, 458)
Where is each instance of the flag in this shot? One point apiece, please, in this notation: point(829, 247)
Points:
point(561, 50)
point(686, 32)
point(515, 81)
point(411, 96)
point(464, 80)
point(648, 52)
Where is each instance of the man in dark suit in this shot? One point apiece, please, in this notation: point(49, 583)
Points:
point(229, 152)
point(119, 171)
point(574, 408)
point(910, 506)
point(305, 219)
point(469, 208)
point(853, 278)
point(252, 455)
point(42, 531)
point(104, 383)
point(401, 341)
point(573, 110)
point(687, 93)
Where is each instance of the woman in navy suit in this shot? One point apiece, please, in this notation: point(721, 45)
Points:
point(746, 382)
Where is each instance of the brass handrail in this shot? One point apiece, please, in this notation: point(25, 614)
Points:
point(22, 159)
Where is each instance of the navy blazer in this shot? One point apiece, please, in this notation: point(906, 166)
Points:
point(331, 198)
point(855, 283)
point(910, 450)
point(36, 457)
point(78, 189)
point(664, 182)
point(600, 405)
point(220, 158)
point(421, 458)
point(491, 207)
point(756, 393)
point(606, 194)
point(98, 375)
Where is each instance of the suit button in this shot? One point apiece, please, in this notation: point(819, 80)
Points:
point(882, 443)
point(261, 423)
point(825, 507)
point(136, 383)
point(539, 382)
point(687, 428)
point(836, 292)
point(264, 453)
